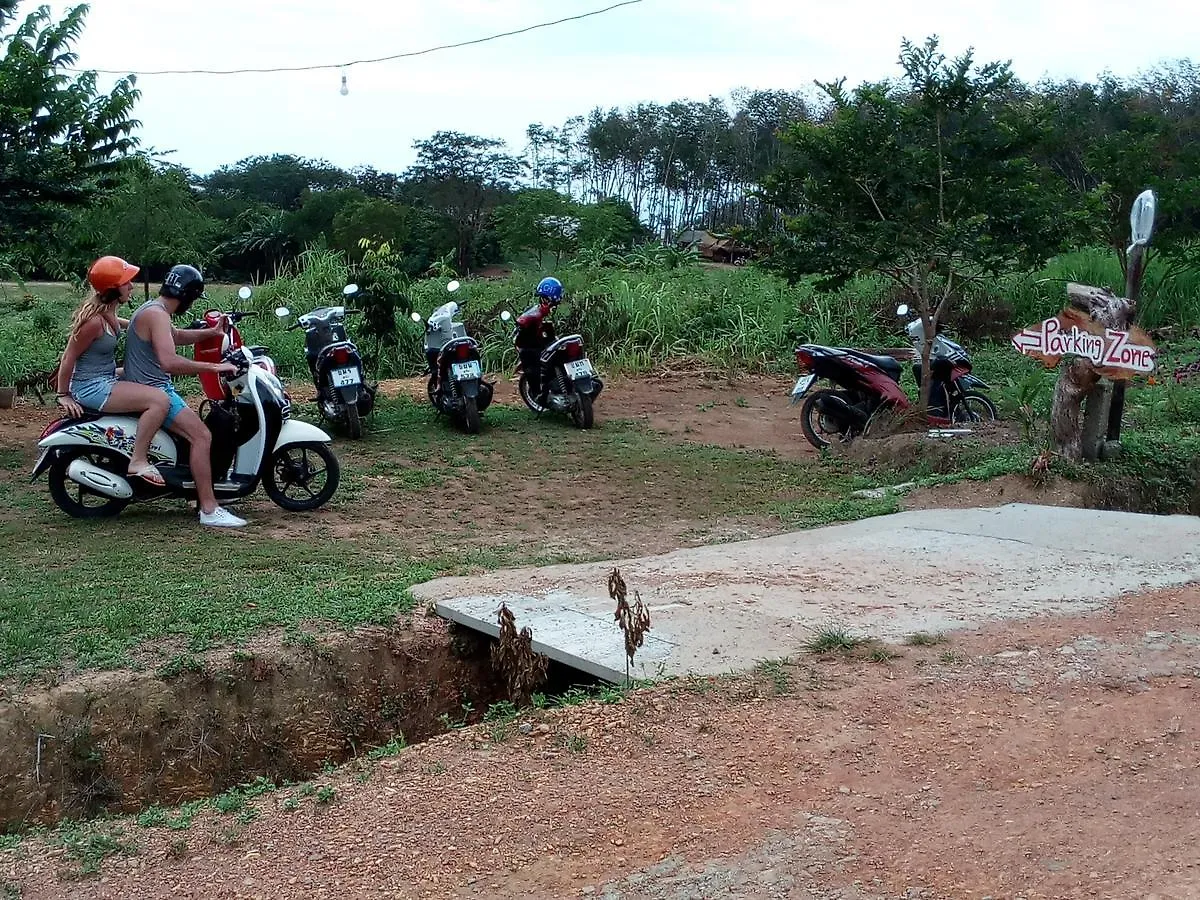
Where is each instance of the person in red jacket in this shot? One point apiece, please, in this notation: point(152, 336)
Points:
point(535, 332)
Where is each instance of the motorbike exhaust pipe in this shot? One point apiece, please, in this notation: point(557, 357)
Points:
point(838, 408)
point(94, 478)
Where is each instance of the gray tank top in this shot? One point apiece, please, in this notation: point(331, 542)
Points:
point(99, 360)
point(141, 362)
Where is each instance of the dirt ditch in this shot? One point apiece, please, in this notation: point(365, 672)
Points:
point(117, 742)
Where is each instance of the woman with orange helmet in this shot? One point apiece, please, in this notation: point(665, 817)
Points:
point(88, 376)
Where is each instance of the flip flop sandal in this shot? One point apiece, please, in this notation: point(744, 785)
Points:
point(150, 475)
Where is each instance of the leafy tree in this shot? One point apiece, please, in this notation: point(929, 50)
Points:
point(318, 211)
point(539, 221)
point(370, 220)
point(373, 183)
point(465, 178)
point(152, 217)
point(280, 181)
point(62, 142)
point(610, 223)
point(929, 182)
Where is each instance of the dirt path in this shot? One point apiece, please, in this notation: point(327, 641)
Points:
point(744, 413)
point(1044, 759)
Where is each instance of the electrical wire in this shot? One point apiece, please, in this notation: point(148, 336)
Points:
point(363, 62)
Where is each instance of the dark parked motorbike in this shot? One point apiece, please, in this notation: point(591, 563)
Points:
point(866, 391)
point(343, 394)
point(567, 381)
point(456, 386)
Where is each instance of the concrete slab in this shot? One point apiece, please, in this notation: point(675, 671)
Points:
point(725, 607)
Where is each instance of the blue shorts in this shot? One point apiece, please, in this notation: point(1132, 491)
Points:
point(93, 393)
point(178, 405)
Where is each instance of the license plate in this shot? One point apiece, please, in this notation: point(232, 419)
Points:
point(41, 456)
point(579, 368)
point(802, 385)
point(345, 377)
point(465, 371)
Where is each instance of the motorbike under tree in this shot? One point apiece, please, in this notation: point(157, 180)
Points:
point(562, 377)
point(254, 442)
point(454, 362)
point(866, 397)
point(344, 395)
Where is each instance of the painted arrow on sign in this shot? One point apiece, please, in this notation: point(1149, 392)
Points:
point(1027, 340)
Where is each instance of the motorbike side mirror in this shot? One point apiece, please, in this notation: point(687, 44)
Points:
point(282, 312)
point(505, 316)
point(902, 309)
point(244, 292)
point(453, 286)
point(350, 289)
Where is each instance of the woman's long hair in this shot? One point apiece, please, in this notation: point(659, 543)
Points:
point(93, 306)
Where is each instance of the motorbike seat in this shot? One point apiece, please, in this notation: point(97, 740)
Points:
point(259, 351)
point(888, 364)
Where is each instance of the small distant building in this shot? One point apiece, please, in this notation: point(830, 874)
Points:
point(718, 248)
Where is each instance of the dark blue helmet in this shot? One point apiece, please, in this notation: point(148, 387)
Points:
point(550, 289)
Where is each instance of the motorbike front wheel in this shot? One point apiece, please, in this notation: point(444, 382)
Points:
point(974, 409)
point(76, 500)
point(298, 482)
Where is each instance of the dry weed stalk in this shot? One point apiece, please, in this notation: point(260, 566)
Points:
point(513, 657)
point(634, 621)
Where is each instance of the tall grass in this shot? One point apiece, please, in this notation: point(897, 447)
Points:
point(659, 311)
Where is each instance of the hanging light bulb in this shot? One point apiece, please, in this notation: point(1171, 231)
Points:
point(345, 90)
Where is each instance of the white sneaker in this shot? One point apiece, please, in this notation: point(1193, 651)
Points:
point(221, 518)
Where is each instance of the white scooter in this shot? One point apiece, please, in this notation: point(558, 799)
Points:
point(253, 440)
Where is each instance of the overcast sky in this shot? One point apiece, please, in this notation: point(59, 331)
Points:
point(656, 50)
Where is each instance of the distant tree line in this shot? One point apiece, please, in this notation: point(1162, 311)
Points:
point(961, 158)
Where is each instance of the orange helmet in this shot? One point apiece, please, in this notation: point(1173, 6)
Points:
point(110, 272)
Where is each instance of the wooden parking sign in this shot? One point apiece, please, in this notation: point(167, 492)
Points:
point(1115, 354)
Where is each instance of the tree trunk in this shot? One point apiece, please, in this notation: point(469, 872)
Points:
point(1066, 415)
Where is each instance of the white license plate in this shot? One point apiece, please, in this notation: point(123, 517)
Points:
point(41, 456)
point(802, 386)
point(345, 377)
point(465, 371)
point(579, 368)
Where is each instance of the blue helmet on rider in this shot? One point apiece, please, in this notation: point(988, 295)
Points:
point(550, 290)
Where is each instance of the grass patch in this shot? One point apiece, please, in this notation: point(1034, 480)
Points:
point(833, 639)
point(926, 639)
point(87, 845)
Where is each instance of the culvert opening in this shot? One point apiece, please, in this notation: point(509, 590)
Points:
point(120, 742)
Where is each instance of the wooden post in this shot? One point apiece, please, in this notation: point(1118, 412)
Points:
point(1135, 268)
point(1141, 227)
point(1078, 435)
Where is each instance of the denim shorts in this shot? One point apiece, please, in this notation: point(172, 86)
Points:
point(178, 405)
point(93, 393)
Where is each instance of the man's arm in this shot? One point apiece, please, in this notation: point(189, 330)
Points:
point(183, 336)
point(162, 339)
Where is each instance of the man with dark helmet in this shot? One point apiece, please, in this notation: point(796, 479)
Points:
point(150, 358)
point(534, 332)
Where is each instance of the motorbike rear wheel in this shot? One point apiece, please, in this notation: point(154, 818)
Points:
point(353, 421)
point(471, 415)
point(581, 413)
point(72, 498)
point(527, 395)
point(815, 423)
point(291, 467)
